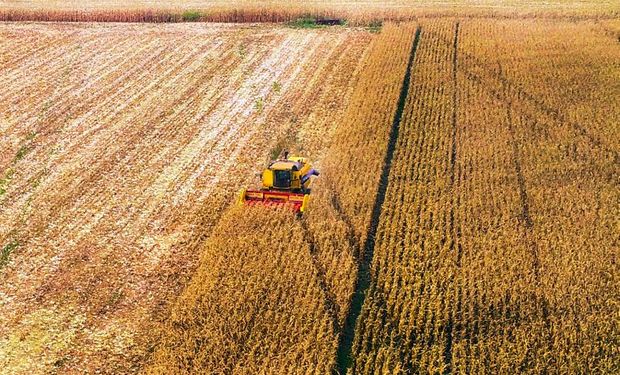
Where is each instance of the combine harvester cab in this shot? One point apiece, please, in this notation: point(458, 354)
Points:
point(285, 182)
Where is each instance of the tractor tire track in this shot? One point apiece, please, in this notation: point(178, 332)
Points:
point(363, 278)
point(525, 218)
point(454, 104)
point(555, 114)
point(551, 113)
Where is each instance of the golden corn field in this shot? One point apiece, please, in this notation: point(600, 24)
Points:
point(466, 218)
point(356, 12)
point(496, 244)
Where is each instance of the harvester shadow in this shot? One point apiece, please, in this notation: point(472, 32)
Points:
point(331, 305)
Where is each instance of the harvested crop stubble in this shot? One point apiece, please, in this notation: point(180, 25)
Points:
point(495, 247)
point(121, 146)
point(320, 249)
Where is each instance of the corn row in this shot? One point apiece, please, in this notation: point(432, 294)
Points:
point(495, 246)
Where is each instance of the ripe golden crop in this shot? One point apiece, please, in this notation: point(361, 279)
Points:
point(494, 245)
point(250, 11)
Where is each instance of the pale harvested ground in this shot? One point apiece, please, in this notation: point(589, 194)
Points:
point(120, 146)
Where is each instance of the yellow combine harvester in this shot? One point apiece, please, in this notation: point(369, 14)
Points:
point(285, 182)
